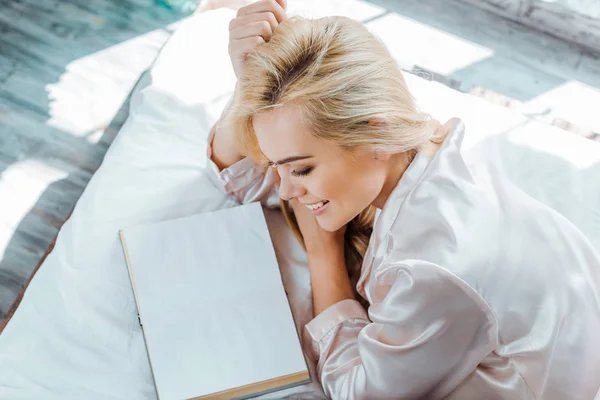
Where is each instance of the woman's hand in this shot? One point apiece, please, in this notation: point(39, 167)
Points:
point(328, 274)
point(252, 27)
point(317, 241)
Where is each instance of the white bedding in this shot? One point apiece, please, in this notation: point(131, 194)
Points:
point(76, 335)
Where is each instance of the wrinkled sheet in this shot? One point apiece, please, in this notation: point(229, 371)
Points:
point(76, 334)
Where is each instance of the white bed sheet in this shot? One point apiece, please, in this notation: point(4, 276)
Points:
point(76, 335)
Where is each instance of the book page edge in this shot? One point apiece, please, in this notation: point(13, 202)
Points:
point(258, 387)
point(137, 305)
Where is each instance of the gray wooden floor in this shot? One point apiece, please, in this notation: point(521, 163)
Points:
point(539, 75)
point(67, 67)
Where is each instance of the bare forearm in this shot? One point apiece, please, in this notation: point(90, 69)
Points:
point(329, 280)
point(224, 151)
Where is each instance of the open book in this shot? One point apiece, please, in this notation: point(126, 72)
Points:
point(213, 310)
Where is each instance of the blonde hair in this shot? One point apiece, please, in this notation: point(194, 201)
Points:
point(349, 90)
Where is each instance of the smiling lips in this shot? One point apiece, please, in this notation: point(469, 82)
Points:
point(316, 206)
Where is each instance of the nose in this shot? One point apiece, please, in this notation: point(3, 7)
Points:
point(288, 190)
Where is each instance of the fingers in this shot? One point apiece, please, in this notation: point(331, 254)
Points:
point(253, 26)
point(257, 17)
point(283, 4)
point(272, 6)
point(248, 44)
point(261, 29)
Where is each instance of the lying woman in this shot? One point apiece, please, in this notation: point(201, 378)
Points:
point(431, 278)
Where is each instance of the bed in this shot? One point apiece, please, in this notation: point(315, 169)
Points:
point(75, 334)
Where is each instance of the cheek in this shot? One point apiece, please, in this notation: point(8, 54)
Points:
point(328, 185)
point(364, 186)
point(349, 193)
point(353, 186)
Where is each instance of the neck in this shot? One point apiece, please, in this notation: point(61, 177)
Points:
point(398, 163)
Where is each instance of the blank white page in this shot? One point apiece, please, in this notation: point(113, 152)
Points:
point(212, 304)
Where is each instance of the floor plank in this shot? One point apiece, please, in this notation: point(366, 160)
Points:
point(481, 50)
point(574, 21)
point(505, 39)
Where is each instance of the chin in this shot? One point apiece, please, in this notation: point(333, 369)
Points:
point(330, 224)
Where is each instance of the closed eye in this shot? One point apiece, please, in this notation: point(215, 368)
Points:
point(303, 172)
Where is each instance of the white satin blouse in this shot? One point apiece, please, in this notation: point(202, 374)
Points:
point(476, 291)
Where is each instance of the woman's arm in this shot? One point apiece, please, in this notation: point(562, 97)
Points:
point(329, 280)
point(224, 152)
point(326, 261)
point(253, 26)
point(425, 332)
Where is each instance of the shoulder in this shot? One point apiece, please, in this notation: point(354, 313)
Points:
point(433, 284)
point(424, 296)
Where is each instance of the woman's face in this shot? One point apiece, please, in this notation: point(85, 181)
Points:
point(336, 184)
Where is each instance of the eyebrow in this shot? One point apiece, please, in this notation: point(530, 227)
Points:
point(288, 160)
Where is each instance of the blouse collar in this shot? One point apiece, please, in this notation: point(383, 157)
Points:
point(409, 180)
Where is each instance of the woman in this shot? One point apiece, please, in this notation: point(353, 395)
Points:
point(473, 289)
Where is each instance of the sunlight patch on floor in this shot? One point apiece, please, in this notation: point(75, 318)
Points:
point(420, 44)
